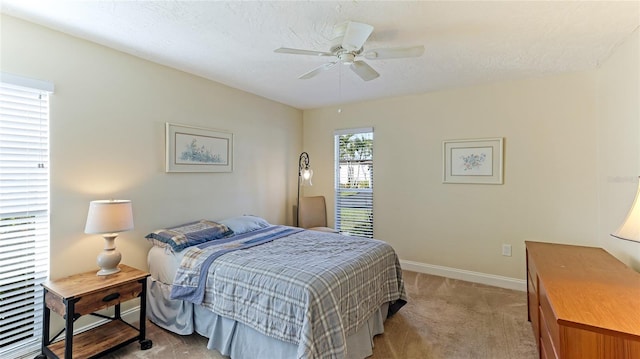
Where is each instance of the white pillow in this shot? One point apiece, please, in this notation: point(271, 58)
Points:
point(244, 224)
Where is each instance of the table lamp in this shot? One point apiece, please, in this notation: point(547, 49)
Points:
point(109, 217)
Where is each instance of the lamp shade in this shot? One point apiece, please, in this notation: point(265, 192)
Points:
point(305, 173)
point(630, 228)
point(109, 216)
point(306, 176)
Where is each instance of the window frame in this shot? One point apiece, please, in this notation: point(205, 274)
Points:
point(24, 210)
point(359, 220)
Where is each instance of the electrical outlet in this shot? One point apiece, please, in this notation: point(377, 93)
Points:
point(506, 250)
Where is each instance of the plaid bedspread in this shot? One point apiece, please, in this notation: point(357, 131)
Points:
point(190, 281)
point(309, 288)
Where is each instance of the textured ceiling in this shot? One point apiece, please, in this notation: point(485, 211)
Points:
point(232, 42)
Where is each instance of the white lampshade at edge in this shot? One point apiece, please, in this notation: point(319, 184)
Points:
point(630, 228)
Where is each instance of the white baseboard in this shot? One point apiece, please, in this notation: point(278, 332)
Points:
point(469, 276)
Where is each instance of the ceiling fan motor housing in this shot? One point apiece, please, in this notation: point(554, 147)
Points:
point(347, 58)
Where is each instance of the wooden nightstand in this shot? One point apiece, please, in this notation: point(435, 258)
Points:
point(86, 293)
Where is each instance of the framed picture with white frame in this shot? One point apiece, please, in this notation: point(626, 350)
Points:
point(478, 161)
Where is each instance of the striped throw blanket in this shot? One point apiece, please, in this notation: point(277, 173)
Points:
point(309, 288)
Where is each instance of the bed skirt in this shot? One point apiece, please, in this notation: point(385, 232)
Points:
point(235, 339)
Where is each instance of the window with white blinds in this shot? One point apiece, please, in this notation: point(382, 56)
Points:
point(24, 211)
point(354, 181)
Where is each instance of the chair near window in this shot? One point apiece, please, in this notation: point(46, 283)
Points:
point(313, 214)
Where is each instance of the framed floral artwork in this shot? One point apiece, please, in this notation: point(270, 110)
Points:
point(473, 161)
point(196, 149)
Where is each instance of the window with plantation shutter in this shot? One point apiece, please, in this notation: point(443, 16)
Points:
point(24, 211)
point(354, 182)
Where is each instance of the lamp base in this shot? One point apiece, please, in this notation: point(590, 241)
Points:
point(108, 271)
point(109, 258)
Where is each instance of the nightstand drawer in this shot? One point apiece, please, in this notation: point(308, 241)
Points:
point(107, 298)
point(99, 300)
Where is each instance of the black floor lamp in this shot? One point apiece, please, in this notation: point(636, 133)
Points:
point(304, 178)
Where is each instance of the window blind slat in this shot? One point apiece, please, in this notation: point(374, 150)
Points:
point(24, 325)
point(17, 306)
point(19, 286)
point(24, 214)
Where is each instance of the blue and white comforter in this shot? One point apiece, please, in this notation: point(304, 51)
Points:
point(309, 288)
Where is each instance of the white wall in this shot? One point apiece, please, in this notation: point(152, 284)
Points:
point(619, 145)
point(550, 186)
point(572, 157)
point(107, 141)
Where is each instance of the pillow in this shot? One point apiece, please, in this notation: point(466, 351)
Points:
point(244, 224)
point(189, 234)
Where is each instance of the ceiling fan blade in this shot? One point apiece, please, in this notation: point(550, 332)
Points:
point(363, 70)
point(355, 35)
point(286, 50)
point(318, 70)
point(394, 53)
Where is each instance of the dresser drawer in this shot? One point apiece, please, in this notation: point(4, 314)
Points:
point(532, 270)
point(533, 307)
point(99, 300)
point(546, 344)
point(543, 351)
point(546, 313)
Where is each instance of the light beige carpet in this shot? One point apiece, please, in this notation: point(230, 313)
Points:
point(444, 319)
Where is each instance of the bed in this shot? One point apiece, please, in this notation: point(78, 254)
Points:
point(258, 290)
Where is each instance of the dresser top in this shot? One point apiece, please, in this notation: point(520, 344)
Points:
point(588, 287)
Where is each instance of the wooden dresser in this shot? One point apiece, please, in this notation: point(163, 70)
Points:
point(583, 303)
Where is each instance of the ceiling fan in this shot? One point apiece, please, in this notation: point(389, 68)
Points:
point(347, 45)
